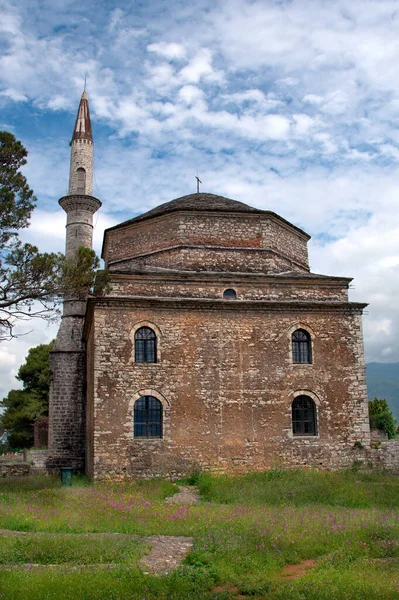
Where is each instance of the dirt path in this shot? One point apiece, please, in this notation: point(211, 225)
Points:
point(295, 571)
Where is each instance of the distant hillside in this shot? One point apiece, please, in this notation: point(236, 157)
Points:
point(383, 382)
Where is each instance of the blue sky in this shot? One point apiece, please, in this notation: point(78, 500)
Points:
point(291, 106)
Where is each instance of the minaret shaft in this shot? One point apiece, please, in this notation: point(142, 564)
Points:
point(68, 358)
point(81, 170)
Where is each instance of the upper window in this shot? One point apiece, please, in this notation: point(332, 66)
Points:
point(301, 347)
point(304, 416)
point(230, 294)
point(145, 345)
point(81, 181)
point(147, 418)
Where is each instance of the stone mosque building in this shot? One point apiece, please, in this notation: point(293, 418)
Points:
point(216, 348)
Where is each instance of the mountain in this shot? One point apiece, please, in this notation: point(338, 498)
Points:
point(383, 382)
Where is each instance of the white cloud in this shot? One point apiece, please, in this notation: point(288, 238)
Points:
point(199, 66)
point(14, 95)
point(190, 94)
point(168, 50)
point(290, 106)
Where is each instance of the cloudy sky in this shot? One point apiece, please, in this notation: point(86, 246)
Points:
point(288, 105)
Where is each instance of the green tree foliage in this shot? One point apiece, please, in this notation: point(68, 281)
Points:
point(32, 283)
point(381, 417)
point(81, 276)
point(29, 280)
point(24, 407)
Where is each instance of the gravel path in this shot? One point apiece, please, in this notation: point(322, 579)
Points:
point(167, 552)
point(186, 495)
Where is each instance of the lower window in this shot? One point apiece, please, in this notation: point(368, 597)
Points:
point(147, 418)
point(304, 416)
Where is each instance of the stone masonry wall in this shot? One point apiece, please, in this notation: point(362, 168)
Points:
point(250, 235)
point(384, 455)
point(38, 459)
point(14, 469)
point(226, 380)
point(90, 405)
point(250, 288)
point(81, 157)
point(79, 227)
point(67, 410)
point(190, 258)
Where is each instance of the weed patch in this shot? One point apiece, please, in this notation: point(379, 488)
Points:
point(246, 531)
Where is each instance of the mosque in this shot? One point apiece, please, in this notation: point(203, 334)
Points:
point(215, 348)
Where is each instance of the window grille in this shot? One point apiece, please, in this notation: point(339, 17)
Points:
point(304, 416)
point(145, 345)
point(147, 418)
point(301, 347)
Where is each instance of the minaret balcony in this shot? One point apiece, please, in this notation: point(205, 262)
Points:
point(80, 202)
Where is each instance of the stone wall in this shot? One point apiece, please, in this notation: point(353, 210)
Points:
point(67, 410)
point(14, 469)
point(226, 380)
point(79, 227)
point(40, 433)
point(199, 241)
point(383, 455)
point(38, 459)
point(206, 258)
point(81, 157)
point(251, 287)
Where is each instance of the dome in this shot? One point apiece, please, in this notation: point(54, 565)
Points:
point(203, 202)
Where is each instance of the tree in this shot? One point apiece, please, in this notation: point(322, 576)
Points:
point(381, 417)
point(31, 283)
point(24, 407)
point(29, 280)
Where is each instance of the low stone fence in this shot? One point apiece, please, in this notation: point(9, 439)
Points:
point(384, 455)
point(37, 458)
point(13, 469)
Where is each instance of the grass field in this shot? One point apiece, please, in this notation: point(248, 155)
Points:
point(246, 531)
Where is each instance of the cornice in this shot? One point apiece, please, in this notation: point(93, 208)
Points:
point(222, 304)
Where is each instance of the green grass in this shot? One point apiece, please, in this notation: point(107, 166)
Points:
point(300, 488)
point(69, 549)
point(245, 530)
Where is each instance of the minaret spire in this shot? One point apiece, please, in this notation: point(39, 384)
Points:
point(82, 128)
point(81, 172)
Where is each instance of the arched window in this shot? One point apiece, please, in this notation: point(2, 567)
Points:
point(81, 181)
point(301, 347)
point(147, 418)
point(304, 416)
point(229, 294)
point(145, 345)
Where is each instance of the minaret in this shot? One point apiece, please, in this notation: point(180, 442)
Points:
point(68, 357)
